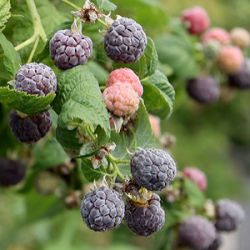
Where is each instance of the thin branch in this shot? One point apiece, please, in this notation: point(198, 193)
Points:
point(38, 27)
point(26, 43)
point(33, 50)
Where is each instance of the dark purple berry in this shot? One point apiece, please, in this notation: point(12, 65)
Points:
point(145, 219)
point(102, 209)
point(36, 78)
point(153, 169)
point(241, 79)
point(30, 129)
point(197, 233)
point(69, 49)
point(204, 89)
point(229, 215)
point(11, 172)
point(125, 41)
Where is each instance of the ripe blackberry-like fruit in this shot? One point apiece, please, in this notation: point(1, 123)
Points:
point(240, 37)
point(230, 59)
point(229, 215)
point(69, 49)
point(121, 99)
point(126, 76)
point(145, 219)
point(153, 169)
point(204, 89)
point(30, 129)
point(125, 40)
point(241, 78)
point(216, 34)
point(197, 176)
point(102, 209)
point(197, 233)
point(195, 19)
point(11, 172)
point(36, 78)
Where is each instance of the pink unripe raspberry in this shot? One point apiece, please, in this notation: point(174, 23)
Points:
point(230, 59)
point(216, 34)
point(155, 125)
point(240, 37)
point(195, 19)
point(121, 99)
point(126, 75)
point(196, 176)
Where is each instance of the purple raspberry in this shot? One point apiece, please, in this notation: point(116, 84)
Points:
point(229, 215)
point(125, 41)
point(11, 172)
point(241, 79)
point(102, 209)
point(36, 78)
point(204, 89)
point(69, 49)
point(153, 169)
point(197, 233)
point(145, 219)
point(30, 129)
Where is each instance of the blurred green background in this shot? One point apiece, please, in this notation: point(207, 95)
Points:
point(215, 139)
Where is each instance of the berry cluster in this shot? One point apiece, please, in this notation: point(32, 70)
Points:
point(152, 170)
point(199, 233)
point(104, 208)
point(203, 231)
point(221, 49)
point(124, 41)
point(34, 79)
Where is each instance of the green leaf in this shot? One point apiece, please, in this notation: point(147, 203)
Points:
point(48, 155)
point(139, 136)
point(80, 106)
point(89, 172)
point(174, 51)
point(68, 138)
point(158, 95)
point(4, 13)
point(99, 72)
point(148, 13)
point(11, 59)
point(195, 195)
point(23, 102)
point(106, 5)
point(147, 64)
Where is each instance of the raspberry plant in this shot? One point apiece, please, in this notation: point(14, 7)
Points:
point(81, 92)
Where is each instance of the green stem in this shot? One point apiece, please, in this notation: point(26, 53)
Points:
point(33, 50)
point(71, 4)
point(38, 27)
point(26, 43)
point(102, 22)
point(119, 173)
point(115, 160)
